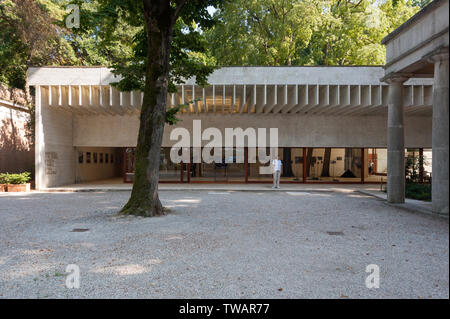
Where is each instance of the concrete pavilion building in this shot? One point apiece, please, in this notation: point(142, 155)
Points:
point(419, 49)
point(352, 124)
point(82, 123)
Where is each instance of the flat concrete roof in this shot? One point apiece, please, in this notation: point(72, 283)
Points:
point(419, 15)
point(255, 75)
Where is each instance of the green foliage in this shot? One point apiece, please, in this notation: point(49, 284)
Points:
point(97, 44)
point(421, 3)
point(4, 178)
point(299, 32)
point(29, 37)
point(412, 167)
point(263, 32)
point(418, 191)
point(22, 178)
point(121, 24)
point(242, 32)
point(171, 118)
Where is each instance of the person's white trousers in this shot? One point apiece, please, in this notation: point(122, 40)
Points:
point(276, 178)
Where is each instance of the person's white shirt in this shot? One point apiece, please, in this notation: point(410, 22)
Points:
point(277, 165)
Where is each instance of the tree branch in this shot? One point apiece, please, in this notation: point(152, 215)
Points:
point(176, 12)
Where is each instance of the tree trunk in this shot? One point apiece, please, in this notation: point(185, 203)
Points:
point(287, 167)
point(326, 163)
point(348, 159)
point(144, 200)
point(308, 160)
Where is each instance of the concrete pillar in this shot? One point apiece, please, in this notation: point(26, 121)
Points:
point(396, 142)
point(440, 134)
point(39, 155)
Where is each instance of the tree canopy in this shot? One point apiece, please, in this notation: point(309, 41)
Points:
point(300, 32)
point(28, 36)
point(251, 32)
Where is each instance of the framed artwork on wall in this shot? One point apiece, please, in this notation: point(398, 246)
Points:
point(298, 159)
point(88, 157)
point(80, 157)
point(101, 157)
point(95, 158)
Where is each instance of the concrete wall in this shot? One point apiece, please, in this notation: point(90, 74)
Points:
point(95, 170)
point(55, 153)
point(293, 130)
point(77, 115)
point(423, 33)
point(16, 154)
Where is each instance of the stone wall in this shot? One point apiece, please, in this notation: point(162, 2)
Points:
point(293, 130)
point(16, 152)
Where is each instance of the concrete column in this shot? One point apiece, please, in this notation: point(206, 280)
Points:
point(39, 155)
point(396, 142)
point(440, 133)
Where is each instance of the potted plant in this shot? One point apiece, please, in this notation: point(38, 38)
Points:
point(3, 182)
point(19, 182)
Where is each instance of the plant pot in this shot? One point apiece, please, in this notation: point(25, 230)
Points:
point(18, 187)
point(3, 188)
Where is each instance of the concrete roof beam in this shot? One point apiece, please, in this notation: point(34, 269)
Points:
point(253, 99)
point(292, 99)
point(262, 99)
point(355, 101)
point(366, 101)
point(303, 98)
point(333, 100)
point(273, 99)
point(324, 99)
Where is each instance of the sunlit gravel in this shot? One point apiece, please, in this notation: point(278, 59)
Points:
point(220, 245)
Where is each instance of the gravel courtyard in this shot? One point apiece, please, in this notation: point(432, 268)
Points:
point(220, 245)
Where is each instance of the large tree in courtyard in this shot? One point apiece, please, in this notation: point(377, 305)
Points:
point(168, 47)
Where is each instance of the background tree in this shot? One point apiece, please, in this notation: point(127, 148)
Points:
point(306, 32)
point(326, 162)
point(309, 155)
point(29, 37)
point(262, 32)
point(33, 33)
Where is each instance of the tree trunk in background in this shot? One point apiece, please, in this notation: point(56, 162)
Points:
point(308, 160)
point(287, 159)
point(144, 200)
point(348, 159)
point(326, 163)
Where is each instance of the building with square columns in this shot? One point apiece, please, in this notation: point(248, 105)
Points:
point(419, 49)
point(331, 121)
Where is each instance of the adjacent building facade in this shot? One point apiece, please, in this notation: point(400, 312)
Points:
point(419, 49)
point(16, 149)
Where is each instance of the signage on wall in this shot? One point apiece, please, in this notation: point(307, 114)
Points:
point(50, 163)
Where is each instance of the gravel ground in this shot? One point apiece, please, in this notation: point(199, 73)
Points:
point(220, 245)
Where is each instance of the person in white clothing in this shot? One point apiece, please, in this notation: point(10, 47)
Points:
point(276, 164)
